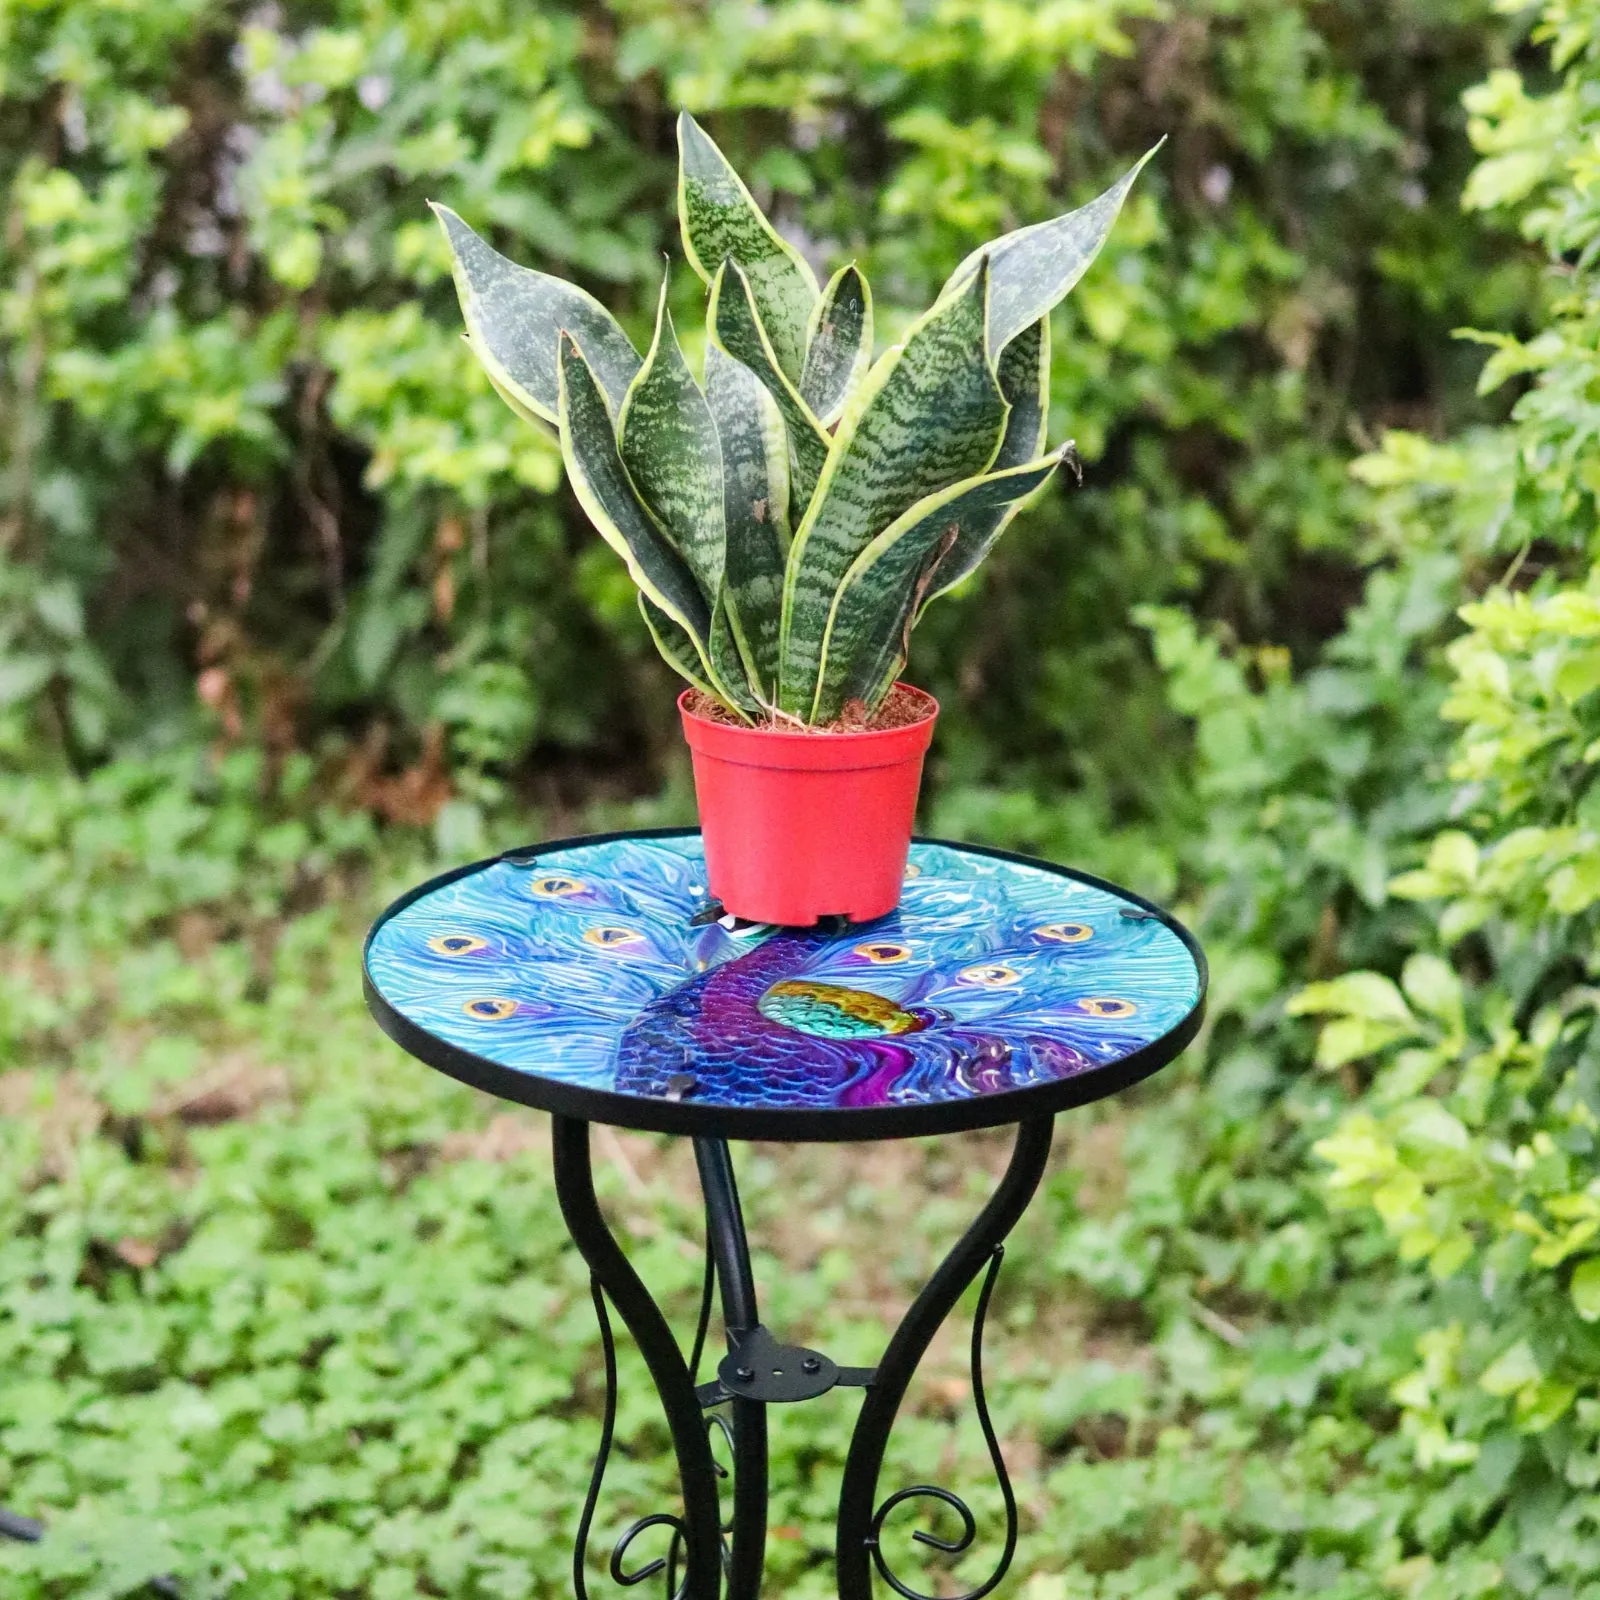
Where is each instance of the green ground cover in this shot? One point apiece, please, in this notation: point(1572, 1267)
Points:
point(290, 612)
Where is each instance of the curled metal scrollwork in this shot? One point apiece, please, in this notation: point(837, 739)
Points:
point(925, 1491)
point(669, 1562)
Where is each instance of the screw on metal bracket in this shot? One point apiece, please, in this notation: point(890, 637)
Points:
point(681, 1085)
point(765, 1370)
point(1134, 914)
point(523, 856)
point(710, 912)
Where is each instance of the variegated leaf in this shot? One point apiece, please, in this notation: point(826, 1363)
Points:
point(669, 446)
point(755, 484)
point(1036, 266)
point(721, 222)
point(727, 664)
point(680, 652)
point(838, 343)
point(675, 645)
point(515, 317)
point(1024, 373)
point(732, 322)
point(929, 414)
point(606, 493)
point(870, 621)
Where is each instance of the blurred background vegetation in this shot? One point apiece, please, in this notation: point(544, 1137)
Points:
point(292, 608)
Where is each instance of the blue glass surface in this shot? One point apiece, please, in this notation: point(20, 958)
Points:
point(585, 967)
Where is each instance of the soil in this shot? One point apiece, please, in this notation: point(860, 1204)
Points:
point(903, 706)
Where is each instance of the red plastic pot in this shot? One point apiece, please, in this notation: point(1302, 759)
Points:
point(799, 826)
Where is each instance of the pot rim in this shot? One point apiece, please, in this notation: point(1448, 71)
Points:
point(810, 736)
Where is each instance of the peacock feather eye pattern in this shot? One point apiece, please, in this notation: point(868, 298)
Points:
point(1100, 1006)
point(593, 965)
point(554, 887)
point(488, 1009)
point(992, 976)
point(882, 953)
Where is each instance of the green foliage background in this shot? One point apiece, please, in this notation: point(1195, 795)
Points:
point(290, 605)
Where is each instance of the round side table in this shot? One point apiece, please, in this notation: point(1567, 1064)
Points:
point(594, 979)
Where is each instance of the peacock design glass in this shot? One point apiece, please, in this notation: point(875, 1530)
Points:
point(600, 965)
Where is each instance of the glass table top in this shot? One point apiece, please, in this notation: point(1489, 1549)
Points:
point(593, 978)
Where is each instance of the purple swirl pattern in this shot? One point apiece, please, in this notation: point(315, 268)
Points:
point(585, 966)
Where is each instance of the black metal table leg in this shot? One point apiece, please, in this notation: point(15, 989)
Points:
point(860, 1516)
point(731, 1250)
point(699, 1527)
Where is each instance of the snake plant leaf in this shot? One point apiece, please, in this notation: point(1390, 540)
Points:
point(930, 414)
point(607, 494)
point(680, 651)
point(1024, 373)
point(515, 317)
point(838, 343)
point(675, 645)
point(727, 663)
point(668, 443)
point(1035, 267)
point(755, 506)
point(864, 645)
point(720, 222)
point(733, 321)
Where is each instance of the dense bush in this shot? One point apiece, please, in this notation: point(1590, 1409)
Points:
point(252, 466)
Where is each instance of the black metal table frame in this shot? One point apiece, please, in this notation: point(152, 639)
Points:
point(759, 1371)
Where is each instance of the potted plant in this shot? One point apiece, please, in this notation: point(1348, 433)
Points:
point(789, 515)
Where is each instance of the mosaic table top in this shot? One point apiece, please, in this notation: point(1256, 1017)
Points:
point(592, 977)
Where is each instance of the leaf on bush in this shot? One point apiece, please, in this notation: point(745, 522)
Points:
point(607, 495)
point(864, 645)
point(22, 677)
point(1586, 1289)
point(1368, 995)
point(1425, 1128)
point(1354, 1038)
point(1452, 868)
point(1511, 1371)
point(755, 506)
point(838, 344)
point(930, 414)
point(515, 317)
point(669, 445)
point(1024, 374)
point(1036, 267)
point(721, 222)
point(732, 322)
point(1575, 886)
point(1542, 1404)
point(1431, 985)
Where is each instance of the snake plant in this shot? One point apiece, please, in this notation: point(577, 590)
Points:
point(788, 516)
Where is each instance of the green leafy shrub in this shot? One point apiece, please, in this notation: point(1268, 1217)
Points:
point(787, 522)
point(248, 450)
point(1455, 1104)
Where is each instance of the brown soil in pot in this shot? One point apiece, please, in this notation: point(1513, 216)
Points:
point(903, 706)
